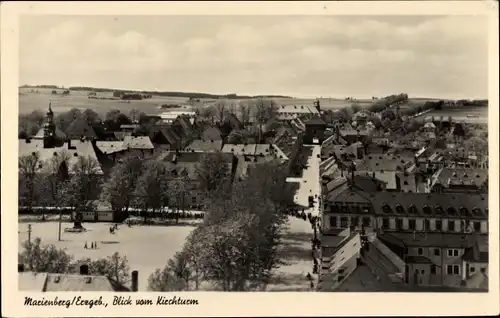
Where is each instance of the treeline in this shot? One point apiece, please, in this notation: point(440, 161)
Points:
point(30, 124)
point(173, 94)
point(237, 246)
point(41, 86)
point(384, 107)
point(472, 103)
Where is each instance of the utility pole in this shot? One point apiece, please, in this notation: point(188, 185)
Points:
point(29, 233)
point(60, 221)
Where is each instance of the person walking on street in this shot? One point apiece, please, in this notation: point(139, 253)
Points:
point(85, 247)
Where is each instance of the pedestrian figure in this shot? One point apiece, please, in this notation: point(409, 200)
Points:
point(92, 245)
point(312, 285)
point(85, 247)
point(309, 277)
point(95, 245)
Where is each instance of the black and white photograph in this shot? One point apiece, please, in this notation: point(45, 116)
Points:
point(253, 153)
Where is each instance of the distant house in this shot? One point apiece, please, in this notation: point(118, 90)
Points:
point(80, 128)
point(205, 146)
point(459, 180)
point(140, 145)
point(164, 137)
point(186, 164)
point(233, 121)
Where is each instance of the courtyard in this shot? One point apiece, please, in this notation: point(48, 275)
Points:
point(146, 247)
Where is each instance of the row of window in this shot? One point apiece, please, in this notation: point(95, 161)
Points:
point(412, 209)
point(412, 224)
point(450, 270)
point(451, 252)
point(355, 221)
point(438, 210)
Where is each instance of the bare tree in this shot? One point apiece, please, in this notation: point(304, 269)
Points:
point(244, 109)
point(29, 166)
point(119, 188)
point(151, 190)
point(220, 109)
point(84, 183)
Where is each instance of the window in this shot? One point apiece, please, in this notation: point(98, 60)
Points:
point(400, 209)
point(399, 224)
point(333, 221)
point(427, 210)
point(386, 208)
point(427, 225)
point(437, 252)
point(420, 251)
point(422, 272)
point(451, 225)
point(433, 269)
point(453, 269)
point(344, 209)
point(412, 209)
point(343, 222)
point(412, 224)
point(366, 221)
point(452, 252)
point(355, 221)
point(477, 226)
point(472, 269)
point(439, 210)
point(449, 269)
point(439, 225)
point(385, 223)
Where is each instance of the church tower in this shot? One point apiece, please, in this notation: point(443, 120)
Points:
point(49, 129)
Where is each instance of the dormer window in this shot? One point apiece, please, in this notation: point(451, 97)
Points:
point(464, 211)
point(427, 210)
point(412, 209)
point(452, 211)
point(439, 210)
point(386, 208)
point(400, 209)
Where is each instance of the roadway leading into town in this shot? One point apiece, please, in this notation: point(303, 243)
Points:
point(310, 183)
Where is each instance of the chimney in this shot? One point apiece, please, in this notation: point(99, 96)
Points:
point(84, 269)
point(69, 143)
point(20, 268)
point(135, 281)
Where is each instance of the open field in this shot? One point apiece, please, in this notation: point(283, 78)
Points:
point(29, 102)
point(146, 247)
point(460, 114)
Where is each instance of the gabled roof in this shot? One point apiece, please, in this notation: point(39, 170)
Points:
point(59, 134)
point(233, 121)
point(205, 146)
point(109, 147)
point(49, 282)
point(315, 121)
point(78, 149)
point(450, 240)
point(137, 142)
point(448, 205)
point(80, 128)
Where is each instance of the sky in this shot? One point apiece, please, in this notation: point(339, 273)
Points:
point(301, 56)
